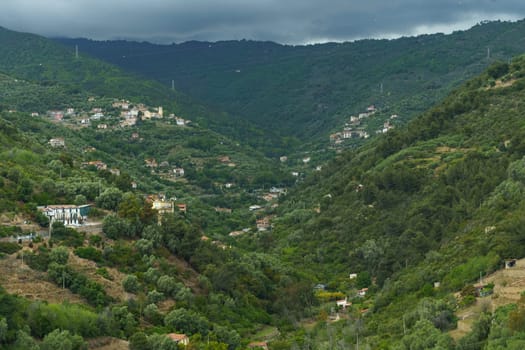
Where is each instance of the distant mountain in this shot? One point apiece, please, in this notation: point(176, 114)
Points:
point(32, 58)
point(308, 91)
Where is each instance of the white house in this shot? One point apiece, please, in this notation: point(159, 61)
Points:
point(70, 215)
point(179, 172)
point(57, 142)
point(343, 303)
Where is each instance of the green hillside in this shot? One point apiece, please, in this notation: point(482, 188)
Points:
point(381, 248)
point(33, 58)
point(309, 91)
point(129, 273)
point(438, 201)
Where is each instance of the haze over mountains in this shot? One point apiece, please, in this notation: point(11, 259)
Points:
point(325, 248)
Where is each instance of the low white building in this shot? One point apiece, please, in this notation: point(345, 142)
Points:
point(69, 215)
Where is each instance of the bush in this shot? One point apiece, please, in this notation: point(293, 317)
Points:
point(9, 247)
point(89, 253)
point(131, 284)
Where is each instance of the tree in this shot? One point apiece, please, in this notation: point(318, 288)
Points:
point(115, 227)
point(424, 336)
point(139, 341)
point(109, 199)
point(59, 255)
point(167, 284)
point(155, 297)
point(186, 321)
point(3, 329)
point(80, 199)
point(25, 342)
point(152, 314)
point(144, 246)
point(62, 340)
point(130, 283)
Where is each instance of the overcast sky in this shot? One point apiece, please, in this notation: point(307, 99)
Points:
point(283, 21)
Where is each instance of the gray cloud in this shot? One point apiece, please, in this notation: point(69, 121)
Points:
point(285, 21)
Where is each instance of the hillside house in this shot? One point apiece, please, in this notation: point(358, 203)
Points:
point(224, 159)
point(115, 171)
point(179, 338)
point(35, 114)
point(283, 159)
point(269, 196)
point(121, 104)
point(100, 165)
point(320, 287)
point(236, 233)
point(362, 292)
point(258, 345)
point(135, 136)
point(263, 224)
point(348, 134)
point(57, 142)
point(131, 121)
point(56, 115)
point(102, 126)
point(178, 172)
point(69, 215)
point(278, 190)
point(182, 207)
point(343, 303)
point(180, 121)
point(163, 207)
point(151, 163)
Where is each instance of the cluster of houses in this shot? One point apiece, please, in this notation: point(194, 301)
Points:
point(164, 168)
point(128, 115)
point(355, 128)
point(387, 125)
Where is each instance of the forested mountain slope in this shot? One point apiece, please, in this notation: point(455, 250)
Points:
point(308, 91)
point(438, 201)
point(36, 59)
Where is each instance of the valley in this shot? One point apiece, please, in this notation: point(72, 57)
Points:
point(361, 218)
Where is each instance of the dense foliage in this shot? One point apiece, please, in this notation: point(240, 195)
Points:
point(308, 91)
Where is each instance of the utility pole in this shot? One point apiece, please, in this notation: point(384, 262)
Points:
point(76, 52)
point(173, 85)
point(381, 88)
point(488, 53)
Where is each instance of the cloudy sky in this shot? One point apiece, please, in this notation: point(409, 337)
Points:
point(284, 21)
